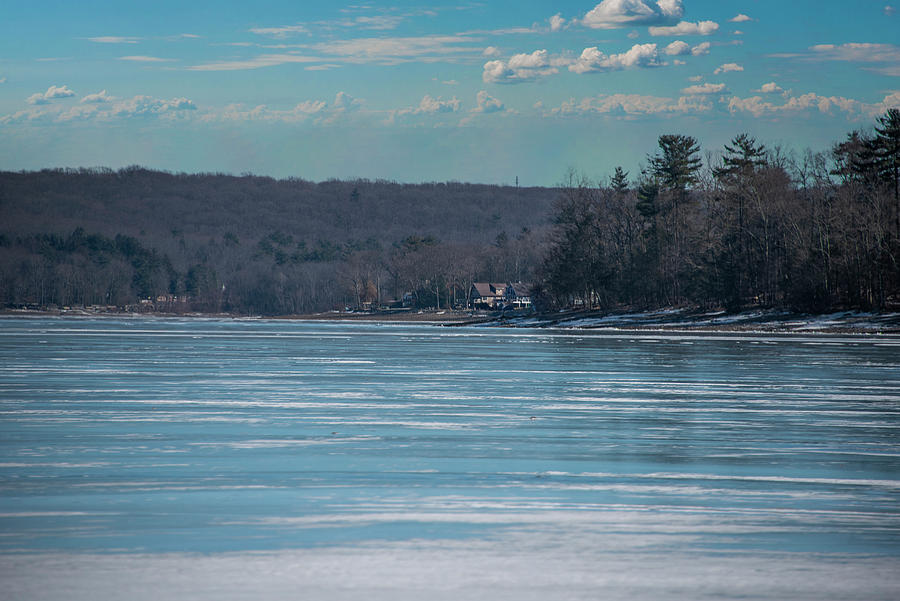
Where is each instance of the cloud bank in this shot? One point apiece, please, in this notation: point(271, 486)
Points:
point(631, 105)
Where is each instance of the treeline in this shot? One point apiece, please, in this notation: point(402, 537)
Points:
point(750, 226)
point(745, 226)
point(256, 245)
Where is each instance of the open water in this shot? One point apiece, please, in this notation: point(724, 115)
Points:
point(226, 459)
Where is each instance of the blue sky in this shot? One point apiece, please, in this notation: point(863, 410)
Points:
point(471, 91)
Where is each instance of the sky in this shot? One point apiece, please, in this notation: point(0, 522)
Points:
point(445, 91)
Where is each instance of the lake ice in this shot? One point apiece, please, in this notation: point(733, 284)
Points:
point(229, 459)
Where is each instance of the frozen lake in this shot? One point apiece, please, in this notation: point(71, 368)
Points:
point(219, 459)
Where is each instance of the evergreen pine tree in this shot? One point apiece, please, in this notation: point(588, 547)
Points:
point(619, 181)
point(886, 146)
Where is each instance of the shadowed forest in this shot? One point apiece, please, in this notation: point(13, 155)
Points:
point(256, 245)
point(742, 226)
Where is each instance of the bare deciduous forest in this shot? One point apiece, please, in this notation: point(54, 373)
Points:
point(742, 226)
point(749, 226)
point(256, 245)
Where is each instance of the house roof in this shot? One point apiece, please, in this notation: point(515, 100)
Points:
point(489, 288)
point(519, 289)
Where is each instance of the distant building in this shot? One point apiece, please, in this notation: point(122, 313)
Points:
point(487, 295)
point(518, 295)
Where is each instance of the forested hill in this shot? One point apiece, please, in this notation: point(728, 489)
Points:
point(255, 244)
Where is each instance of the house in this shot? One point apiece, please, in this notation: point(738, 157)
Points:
point(517, 295)
point(487, 295)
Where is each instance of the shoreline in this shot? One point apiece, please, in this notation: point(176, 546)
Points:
point(663, 320)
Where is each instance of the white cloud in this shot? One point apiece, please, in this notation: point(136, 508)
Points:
point(813, 103)
point(737, 32)
point(700, 49)
point(671, 9)
point(890, 101)
point(498, 72)
point(487, 103)
point(377, 22)
point(695, 78)
point(310, 107)
point(381, 50)
point(889, 11)
point(592, 60)
point(346, 102)
point(318, 112)
point(520, 68)
point(858, 52)
point(630, 105)
point(770, 88)
point(704, 89)
point(686, 28)
point(677, 48)
point(611, 14)
point(98, 98)
point(58, 92)
point(20, 117)
point(147, 106)
point(727, 68)
point(507, 31)
point(107, 110)
point(111, 39)
point(102, 107)
point(2, 80)
point(537, 59)
point(299, 113)
point(887, 54)
point(52, 93)
point(633, 35)
point(342, 105)
point(401, 49)
point(145, 59)
point(431, 106)
point(754, 105)
point(557, 22)
point(280, 32)
point(740, 18)
point(265, 60)
point(758, 107)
